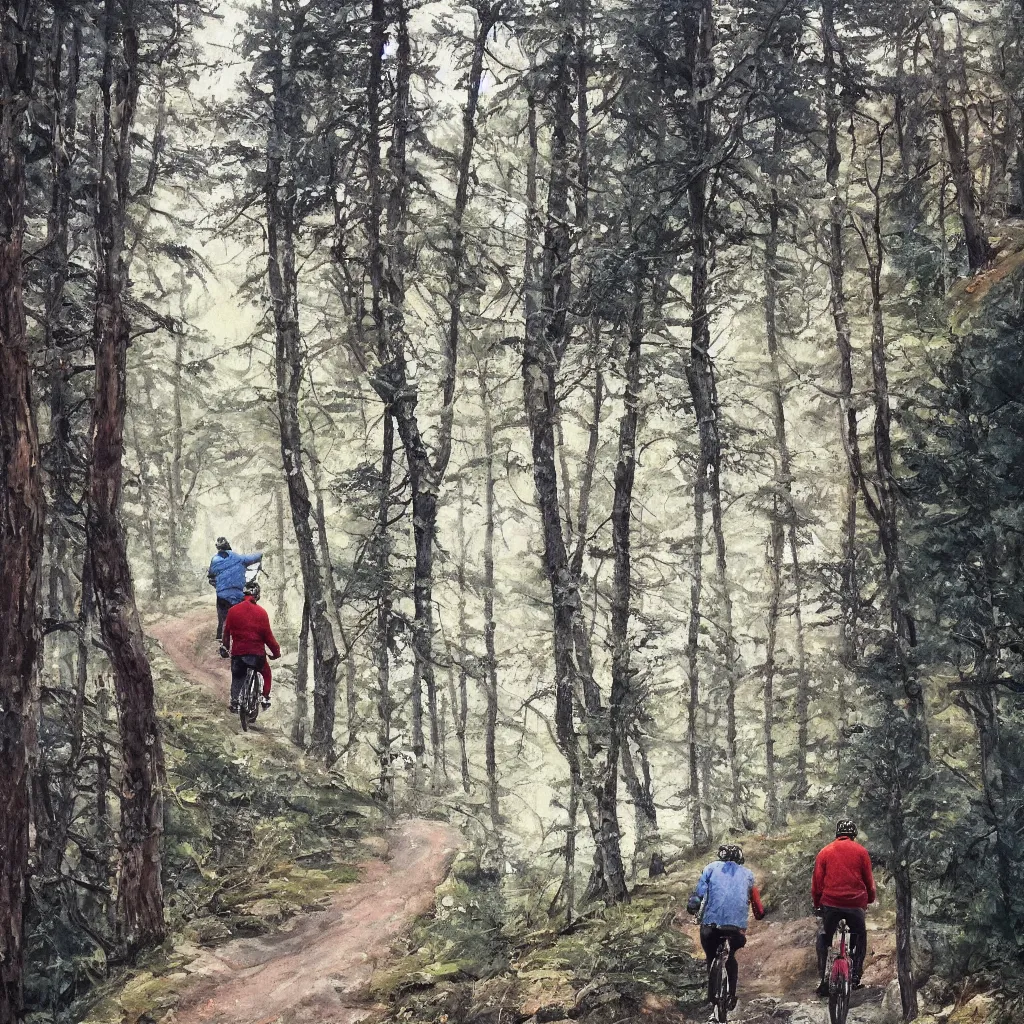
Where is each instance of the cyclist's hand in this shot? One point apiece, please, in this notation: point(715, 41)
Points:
point(274, 657)
point(693, 905)
point(818, 911)
point(224, 653)
point(760, 916)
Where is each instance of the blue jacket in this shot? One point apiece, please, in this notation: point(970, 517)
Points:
point(726, 888)
point(228, 571)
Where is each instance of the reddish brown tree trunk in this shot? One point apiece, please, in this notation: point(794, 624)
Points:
point(139, 890)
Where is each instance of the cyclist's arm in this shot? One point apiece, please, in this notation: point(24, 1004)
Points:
point(251, 559)
point(869, 878)
point(818, 879)
point(704, 883)
point(226, 641)
point(755, 903)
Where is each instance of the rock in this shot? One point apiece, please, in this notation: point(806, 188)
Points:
point(205, 931)
point(892, 1008)
point(553, 1011)
point(267, 910)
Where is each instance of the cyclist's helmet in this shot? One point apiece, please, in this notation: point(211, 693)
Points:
point(846, 828)
point(222, 544)
point(731, 852)
point(252, 589)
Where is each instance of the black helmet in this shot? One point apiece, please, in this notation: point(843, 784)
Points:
point(845, 827)
point(222, 544)
point(252, 589)
point(731, 852)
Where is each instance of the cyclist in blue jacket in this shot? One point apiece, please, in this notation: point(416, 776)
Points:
point(227, 574)
point(726, 892)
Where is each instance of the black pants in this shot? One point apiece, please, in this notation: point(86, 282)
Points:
point(856, 919)
point(240, 665)
point(223, 606)
point(710, 936)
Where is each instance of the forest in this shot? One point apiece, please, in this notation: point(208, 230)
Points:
point(627, 400)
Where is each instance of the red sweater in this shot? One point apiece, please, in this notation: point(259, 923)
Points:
point(842, 876)
point(247, 630)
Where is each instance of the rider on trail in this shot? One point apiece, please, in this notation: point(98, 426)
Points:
point(227, 574)
point(842, 887)
point(247, 636)
point(727, 891)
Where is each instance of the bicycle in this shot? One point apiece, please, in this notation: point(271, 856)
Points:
point(838, 974)
point(249, 698)
point(719, 979)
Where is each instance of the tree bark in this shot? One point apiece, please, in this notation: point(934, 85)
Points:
point(21, 510)
point(290, 366)
point(849, 586)
point(701, 378)
point(385, 604)
point(490, 676)
point(783, 512)
point(302, 681)
point(139, 889)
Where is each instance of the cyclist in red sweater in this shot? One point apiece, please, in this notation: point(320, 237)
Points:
point(247, 637)
point(842, 887)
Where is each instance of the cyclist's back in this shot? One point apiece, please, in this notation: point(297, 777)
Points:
point(727, 891)
point(841, 889)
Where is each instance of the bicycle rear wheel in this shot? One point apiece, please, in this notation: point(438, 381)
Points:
point(839, 992)
point(721, 976)
point(249, 705)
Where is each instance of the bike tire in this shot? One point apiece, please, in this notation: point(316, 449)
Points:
point(248, 706)
point(721, 989)
point(839, 994)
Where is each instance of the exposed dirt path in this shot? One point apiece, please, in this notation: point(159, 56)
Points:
point(190, 644)
point(316, 968)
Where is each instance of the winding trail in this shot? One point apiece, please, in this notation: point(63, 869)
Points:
point(317, 966)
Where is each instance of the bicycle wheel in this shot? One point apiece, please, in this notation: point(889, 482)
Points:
point(249, 705)
point(721, 976)
point(839, 991)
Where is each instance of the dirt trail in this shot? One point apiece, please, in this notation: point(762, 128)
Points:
point(316, 968)
point(190, 644)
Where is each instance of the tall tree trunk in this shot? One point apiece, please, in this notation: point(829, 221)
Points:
point(281, 569)
point(460, 699)
point(490, 677)
point(782, 510)
point(623, 697)
point(302, 680)
point(849, 586)
point(21, 511)
point(290, 367)
point(956, 136)
point(139, 889)
point(385, 604)
point(546, 339)
point(387, 270)
point(701, 378)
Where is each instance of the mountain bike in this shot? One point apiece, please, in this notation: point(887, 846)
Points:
point(719, 978)
point(838, 974)
point(249, 698)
